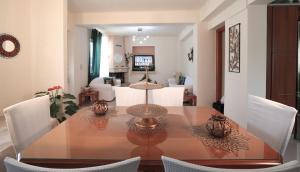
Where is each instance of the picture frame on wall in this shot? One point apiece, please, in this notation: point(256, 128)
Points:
point(234, 48)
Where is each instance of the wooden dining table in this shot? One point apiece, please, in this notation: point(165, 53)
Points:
point(86, 139)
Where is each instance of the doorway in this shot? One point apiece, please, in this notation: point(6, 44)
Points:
point(220, 62)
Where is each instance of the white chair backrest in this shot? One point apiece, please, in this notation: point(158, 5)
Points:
point(27, 121)
point(126, 96)
point(168, 96)
point(271, 121)
point(130, 165)
point(173, 165)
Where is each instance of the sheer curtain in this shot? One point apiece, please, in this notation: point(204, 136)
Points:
point(104, 64)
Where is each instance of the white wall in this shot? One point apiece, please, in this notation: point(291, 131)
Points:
point(135, 17)
point(117, 49)
point(48, 38)
point(236, 83)
point(185, 66)
point(257, 49)
point(15, 73)
point(252, 77)
point(78, 58)
point(222, 11)
point(206, 66)
point(40, 26)
point(166, 52)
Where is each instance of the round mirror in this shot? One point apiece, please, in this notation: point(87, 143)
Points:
point(9, 46)
point(118, 58)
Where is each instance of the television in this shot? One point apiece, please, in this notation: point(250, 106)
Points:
point(140, 61)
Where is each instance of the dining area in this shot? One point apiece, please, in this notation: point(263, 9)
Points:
point(149, 130)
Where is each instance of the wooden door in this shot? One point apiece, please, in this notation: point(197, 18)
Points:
point(282, 54)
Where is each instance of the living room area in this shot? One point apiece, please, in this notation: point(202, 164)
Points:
point(65, 63)
point(105, 56)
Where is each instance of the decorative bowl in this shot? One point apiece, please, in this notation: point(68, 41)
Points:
point(218, 126)
point(100, 107)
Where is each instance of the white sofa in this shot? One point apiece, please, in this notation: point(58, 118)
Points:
point(106, 91)
point(188, 83)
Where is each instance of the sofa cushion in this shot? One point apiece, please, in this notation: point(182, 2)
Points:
point(109, 80)
point(188, 81)
point(96, 81)
point(181, 80)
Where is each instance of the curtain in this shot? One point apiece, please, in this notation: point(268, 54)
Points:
point(104, 63)
point(95, 55)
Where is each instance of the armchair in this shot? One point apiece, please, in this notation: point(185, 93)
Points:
point(106, 91)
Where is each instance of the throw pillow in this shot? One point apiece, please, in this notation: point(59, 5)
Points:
point(181, 80)
point(176, 76)
point(108, 80)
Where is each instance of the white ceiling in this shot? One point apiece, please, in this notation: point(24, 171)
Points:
point(152, 30)
point(132, 5)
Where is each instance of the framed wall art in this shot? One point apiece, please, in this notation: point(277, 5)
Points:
point(234, 48)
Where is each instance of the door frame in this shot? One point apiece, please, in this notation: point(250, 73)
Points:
point(219, 62)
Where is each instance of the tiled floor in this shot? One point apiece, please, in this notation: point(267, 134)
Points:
point(292, 151)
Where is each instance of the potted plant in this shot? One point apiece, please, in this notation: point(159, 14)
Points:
point(61, 103)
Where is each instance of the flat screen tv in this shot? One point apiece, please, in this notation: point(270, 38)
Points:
point(140, 61)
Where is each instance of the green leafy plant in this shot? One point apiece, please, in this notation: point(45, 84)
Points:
point(58, 100)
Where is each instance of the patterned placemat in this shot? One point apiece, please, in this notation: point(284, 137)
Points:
point(234, 142)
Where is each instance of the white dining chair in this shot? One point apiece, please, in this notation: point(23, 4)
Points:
point(6, 151)
point(271, 121)
point(174, 165)
point(129, 165)
point(28, 120)
point(126, 96)
point(168, 96)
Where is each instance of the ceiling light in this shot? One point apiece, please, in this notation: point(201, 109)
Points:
point(139, 37)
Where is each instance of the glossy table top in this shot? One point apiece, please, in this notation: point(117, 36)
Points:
point(86, 140)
